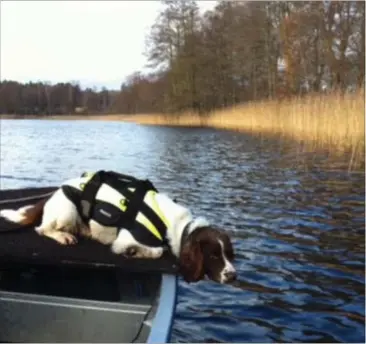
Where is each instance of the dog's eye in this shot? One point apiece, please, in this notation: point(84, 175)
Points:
point(214, 256)
point(131, 251)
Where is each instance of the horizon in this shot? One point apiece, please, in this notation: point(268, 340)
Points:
point(71, 52)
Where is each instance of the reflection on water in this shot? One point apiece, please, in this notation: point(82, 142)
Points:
point(299, 233)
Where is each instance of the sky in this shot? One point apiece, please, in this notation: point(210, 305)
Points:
point(97, 43)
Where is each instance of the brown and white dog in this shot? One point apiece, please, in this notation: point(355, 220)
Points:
point(201, 249)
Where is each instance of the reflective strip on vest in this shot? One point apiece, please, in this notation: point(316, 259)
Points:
point(87, 176)
point(151, 202)
point(110, 195)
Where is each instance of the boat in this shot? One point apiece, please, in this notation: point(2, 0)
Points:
point(79, 293)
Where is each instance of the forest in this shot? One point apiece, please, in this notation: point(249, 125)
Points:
point(237, 53)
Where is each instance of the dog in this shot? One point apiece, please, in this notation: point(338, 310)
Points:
point(200, 249)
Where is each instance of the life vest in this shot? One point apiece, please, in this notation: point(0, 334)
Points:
point(122, 201)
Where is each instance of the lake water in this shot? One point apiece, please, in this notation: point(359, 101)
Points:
point(297, 223)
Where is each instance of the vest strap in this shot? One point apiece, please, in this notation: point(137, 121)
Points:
point(136, 204)
point(134, 200)
point(92, 186)
point(87, 196)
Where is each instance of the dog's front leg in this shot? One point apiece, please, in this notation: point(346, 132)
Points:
point(64, 238)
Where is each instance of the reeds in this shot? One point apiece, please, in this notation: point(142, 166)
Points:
point(335, 122)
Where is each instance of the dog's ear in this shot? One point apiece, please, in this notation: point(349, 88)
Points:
point(191, 261)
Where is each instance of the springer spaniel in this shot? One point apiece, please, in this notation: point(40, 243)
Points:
point(201, 249)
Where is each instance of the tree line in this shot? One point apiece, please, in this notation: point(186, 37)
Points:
point(46, 99)
point(235, 53)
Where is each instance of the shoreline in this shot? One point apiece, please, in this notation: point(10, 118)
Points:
point(326, 122)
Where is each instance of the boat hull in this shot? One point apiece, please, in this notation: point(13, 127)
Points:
point(51, 293)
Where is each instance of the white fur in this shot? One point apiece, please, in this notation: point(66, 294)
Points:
point(124, 240)
point(228, 268)
point(178, 217)
point(16, 216)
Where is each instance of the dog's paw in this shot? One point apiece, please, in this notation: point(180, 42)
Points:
point(65, 238)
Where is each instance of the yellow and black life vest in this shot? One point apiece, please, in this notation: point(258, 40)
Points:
point(130, 205)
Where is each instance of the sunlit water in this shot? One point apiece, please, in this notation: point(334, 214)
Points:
point(298, 229)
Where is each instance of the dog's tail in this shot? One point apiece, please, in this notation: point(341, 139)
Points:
point(27, 215)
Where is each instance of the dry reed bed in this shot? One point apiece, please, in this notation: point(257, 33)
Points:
point(334, 122)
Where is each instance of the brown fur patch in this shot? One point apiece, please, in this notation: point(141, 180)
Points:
point(34, 213)
point(202, 254)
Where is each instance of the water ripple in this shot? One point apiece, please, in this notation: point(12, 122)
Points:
point(298, 225)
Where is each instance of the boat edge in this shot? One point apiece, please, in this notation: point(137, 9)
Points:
point(160, 330)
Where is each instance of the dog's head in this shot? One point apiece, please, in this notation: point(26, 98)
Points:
point(207, 251)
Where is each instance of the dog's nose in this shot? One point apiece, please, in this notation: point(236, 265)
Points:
point(230, 276)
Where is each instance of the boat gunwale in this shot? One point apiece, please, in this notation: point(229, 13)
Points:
point(161, 330)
